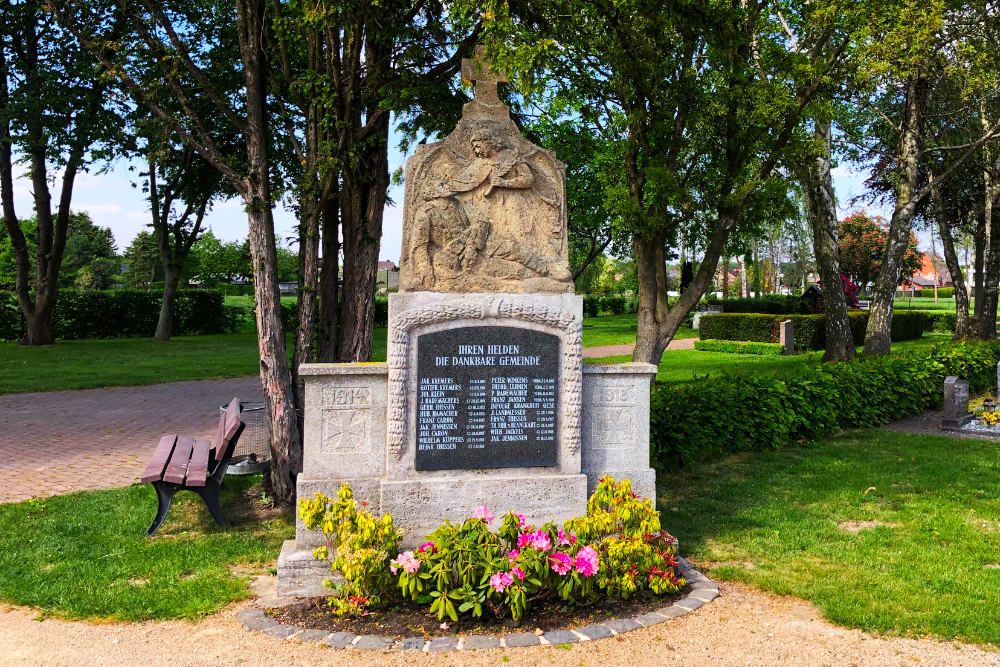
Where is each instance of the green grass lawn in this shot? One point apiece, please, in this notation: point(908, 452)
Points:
point(772, 520)
point(618, 329)
point(86, 555)
point(686, 365)
point(81, 364)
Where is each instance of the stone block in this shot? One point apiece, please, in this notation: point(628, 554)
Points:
point(412, 644)
point(616, 425)
point(373, 643)
point(255, 619)
point(690, 603)
point(595, 631)
point(419, 506)
point(519, 639)
point(786, 337)
point(281, 631)
point(673, 611)
point(652, 618)
point(480, 642)
point(340, 639)
point(441, 644)
point(560, 637)
point(311, 636)
point(956, 402)
point(301, 575)
point(620, 625)
point(344, 428)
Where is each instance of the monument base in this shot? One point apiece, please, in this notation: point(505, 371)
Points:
point(300, 574)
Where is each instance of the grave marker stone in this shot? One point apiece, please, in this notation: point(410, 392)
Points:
point(956, 402)
point(786, 336)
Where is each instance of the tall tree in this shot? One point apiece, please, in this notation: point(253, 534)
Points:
point(55, 114)
point(179, 37)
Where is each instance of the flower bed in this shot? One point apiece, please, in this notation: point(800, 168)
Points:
point(617, 551)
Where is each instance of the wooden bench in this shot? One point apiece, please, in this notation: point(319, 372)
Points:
point(183, 463)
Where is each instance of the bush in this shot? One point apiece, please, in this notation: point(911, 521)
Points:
point(739, 347)
point(591, 306)
point(126, 313)
point(810, 330)
point(944, 292)
point(735, 412)
point(774, 304)
point(595, 305)
point(616, 550)
point(940, 320)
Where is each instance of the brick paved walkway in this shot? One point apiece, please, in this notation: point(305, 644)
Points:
point(61, 441)
point(601, 351)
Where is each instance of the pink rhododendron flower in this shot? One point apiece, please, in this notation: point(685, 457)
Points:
point(519, 573)
point(561, 563)
point(427, 546)
point(542, 541)
point(525, 540)
point(405, 560)
point(483, 512)
point(586, 562)
point(513, 555)
point(563, 540)
point(520, 520)
point(500, 581)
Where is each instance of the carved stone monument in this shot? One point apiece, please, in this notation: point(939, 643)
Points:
point(485, 399)
point(956, 402)
point(786, 336)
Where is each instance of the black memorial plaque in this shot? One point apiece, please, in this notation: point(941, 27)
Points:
point(486, 398)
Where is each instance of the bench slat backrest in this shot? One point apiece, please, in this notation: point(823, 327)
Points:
point(226, 436)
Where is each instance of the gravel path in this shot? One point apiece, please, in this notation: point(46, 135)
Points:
point(601, 351)
point(743, 627)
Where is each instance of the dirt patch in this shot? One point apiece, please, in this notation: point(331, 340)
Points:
point(856, 527)
point(407, 619)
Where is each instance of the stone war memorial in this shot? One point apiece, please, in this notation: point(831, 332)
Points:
point(485, 399)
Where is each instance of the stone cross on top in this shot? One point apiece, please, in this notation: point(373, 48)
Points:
point(485, 78)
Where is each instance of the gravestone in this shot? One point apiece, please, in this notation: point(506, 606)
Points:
point(484, 398)
point(956, 402)
point(786, 336)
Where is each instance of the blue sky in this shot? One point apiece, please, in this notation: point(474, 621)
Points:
point(112, 202)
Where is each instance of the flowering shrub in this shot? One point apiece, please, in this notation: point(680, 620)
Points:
point(615, 550)
point(359, 546)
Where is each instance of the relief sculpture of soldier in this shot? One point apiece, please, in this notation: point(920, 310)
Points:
point(487, 211)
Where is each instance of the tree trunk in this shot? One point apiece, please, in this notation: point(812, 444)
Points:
point(878, 336)
point(651, 337)
point(329, 305)
point(962, 324)
point(986, 314)
point(286, 441)
point(363, 193)
point(979, 265)
point(822, 207)
point(725, 278)
point(308, 283)
point(744, 283)
point(165, 324)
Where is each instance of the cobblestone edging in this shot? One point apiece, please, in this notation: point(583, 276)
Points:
point(702, 590)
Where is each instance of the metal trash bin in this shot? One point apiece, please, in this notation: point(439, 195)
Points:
point(253, 450)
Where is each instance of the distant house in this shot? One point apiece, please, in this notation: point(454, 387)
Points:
point(387, 278)
point(932, 270)
point(387, 265)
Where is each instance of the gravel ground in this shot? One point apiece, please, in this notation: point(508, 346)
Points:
point(742, 627)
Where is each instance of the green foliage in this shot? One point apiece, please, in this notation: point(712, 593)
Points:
point(776, 304)
point(944, 292)
point(810, 330)
point(596, 305)
point(937, 320)
point(735, 412)
point(617, 550)
point(359, 546)
point(122, 314)
point(739, 347)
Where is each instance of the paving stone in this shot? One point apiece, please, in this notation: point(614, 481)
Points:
point(443, 644)
point(522, 639)
point(705, 594)
point(561, 637)
point(480, 642)
point(621, 625)
point(255, 619)
point(690, 603)
point(373, 643)
point(312, 636)
point(412, 644)
point(652, 618)
point(595, 631)
point(673, 611)
point(340, 639)
point(281, 631)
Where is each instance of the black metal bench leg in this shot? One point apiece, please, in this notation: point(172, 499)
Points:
point(210, 494)
point(164, 495)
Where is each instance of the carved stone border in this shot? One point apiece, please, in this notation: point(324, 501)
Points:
point(703, 590)
point(514, 308)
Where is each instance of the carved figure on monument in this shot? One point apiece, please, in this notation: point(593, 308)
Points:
point(485, 208)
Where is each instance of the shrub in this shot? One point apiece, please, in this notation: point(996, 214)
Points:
point(762, 411)
point(944, 292)
point(939, 320)
point(358, 545)
point(616, 550)
point(810, 330)
point(739, 347)
point(774, 304)
point(591, 306)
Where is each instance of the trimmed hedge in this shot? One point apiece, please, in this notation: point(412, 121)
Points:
point(739, 347)
point(734, 412)
point(774, 304)
point(810, 330)
point(123, 313)
point(595, 305)
point(944, 292)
